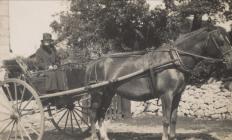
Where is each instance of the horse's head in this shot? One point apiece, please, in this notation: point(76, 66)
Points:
point(218, 45)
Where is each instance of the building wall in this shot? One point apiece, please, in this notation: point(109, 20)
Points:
point(4, 29)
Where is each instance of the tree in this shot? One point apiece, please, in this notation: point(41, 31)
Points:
point(102, 22)
point(214, 9)
point(128, 25)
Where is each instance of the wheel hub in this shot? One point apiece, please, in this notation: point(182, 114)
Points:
point(70, 106)
point(14, 116)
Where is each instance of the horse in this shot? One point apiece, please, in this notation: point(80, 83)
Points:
point(207, 43)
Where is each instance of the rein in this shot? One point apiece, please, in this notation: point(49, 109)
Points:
point(197, 56)
point(191, 54)
point(185, 67)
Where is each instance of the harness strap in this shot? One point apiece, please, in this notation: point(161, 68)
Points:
point(198, 56)
point(151, 73)
point(153, 80)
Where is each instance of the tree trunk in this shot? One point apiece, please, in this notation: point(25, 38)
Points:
point(197, 21)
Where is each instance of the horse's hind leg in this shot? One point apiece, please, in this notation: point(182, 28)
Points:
point(107, 98)
point(166, 99)
point(174, 109)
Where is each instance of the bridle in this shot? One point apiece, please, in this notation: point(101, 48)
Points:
point(213, 60)
point(216, 44)
point(175, 51)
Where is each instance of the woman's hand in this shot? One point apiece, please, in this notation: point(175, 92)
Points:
point(52, 67)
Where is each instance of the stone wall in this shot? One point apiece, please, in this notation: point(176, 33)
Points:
point(210, 101)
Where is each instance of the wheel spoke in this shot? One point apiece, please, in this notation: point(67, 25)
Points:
point(11, 131)
point(30, 126)
point(7, 99)
point(31, 112)
point(28, 102)
point(5, 113)
point(66, 121)
point(16, 132)
point(81, 111)
point(22, 126)
point(56, 113)
point(9, 93)
point(71, 121)
point(16, 96)
point(5, 120)
point(22, 95)
point(81, 118)
point(6, 126)
point(21, 133)
point(62, 117)
point(76, 121)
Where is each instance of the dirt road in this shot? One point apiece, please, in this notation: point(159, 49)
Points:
point(149, 127)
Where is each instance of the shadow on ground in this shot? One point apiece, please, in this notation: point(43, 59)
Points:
point(134, 136)
point(152, 136)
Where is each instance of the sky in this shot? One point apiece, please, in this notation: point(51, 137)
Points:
point(29, 19)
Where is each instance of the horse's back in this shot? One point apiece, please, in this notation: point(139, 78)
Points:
point(107, 68)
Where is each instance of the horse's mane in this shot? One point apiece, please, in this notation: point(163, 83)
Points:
point(197, 33)
point(190, 36)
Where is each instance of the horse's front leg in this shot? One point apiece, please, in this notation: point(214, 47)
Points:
point(95, 105)
point(102, 130)
point(166, 109)
point(107, 98)
point(174, 109)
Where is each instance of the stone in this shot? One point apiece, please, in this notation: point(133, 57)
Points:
point(221, 110)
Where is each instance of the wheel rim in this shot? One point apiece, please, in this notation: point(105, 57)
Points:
point(21, 113)
point(72, 119)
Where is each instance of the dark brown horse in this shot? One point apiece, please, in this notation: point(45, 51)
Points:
point(167, 84)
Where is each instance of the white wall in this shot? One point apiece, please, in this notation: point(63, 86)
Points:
point(4, 29)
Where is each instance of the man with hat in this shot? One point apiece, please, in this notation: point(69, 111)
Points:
point(48, 60)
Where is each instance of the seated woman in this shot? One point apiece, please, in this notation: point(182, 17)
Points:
point(48, 60)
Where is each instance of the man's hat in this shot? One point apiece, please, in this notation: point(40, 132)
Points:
point(47, 38)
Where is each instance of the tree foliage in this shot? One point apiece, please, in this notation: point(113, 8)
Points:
point(124, 24)
point(214, 10)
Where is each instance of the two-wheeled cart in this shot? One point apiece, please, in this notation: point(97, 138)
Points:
point(23, 104)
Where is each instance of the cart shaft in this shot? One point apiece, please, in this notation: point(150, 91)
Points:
point(81, 91)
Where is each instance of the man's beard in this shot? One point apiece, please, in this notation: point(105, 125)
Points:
point(47, 48)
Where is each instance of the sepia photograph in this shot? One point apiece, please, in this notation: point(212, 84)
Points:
point(115, 69)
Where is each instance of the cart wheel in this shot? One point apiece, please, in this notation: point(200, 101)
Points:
point(21, 112)
point(72, 119)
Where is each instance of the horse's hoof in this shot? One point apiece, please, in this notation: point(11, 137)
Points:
point(165, 138)
point(104, 138)
point(92, 138)
point(173, 138)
